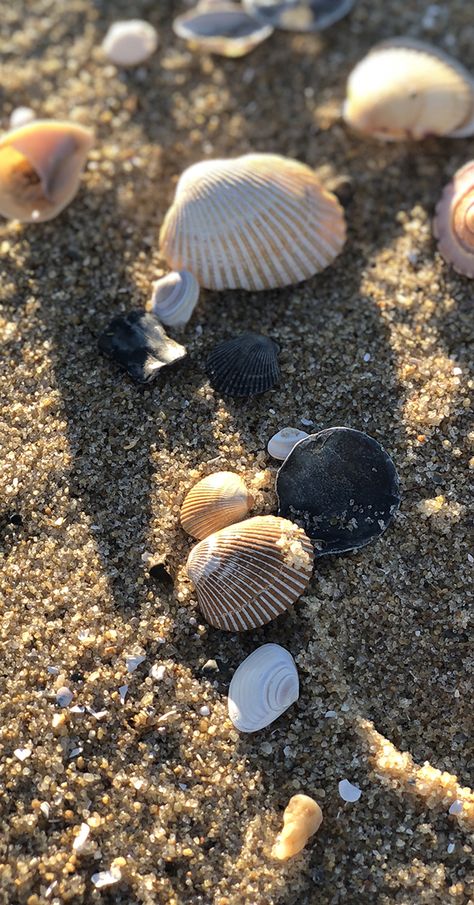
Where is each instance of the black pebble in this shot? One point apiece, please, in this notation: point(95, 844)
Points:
point(138, 343)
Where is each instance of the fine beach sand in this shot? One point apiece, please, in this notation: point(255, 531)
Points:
point(94, 469)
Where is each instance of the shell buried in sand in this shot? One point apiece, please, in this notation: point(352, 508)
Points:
point(262, 688)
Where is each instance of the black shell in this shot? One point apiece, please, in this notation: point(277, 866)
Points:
point(244, 366)
point(138, 343)
point(341, 487)
point(299, 15)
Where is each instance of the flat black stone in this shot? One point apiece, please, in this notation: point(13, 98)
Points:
point(138, 343)
point(341, 487)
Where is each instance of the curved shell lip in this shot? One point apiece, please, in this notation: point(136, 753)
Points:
point(300, 516)
point(223, 43)
point(302, 24)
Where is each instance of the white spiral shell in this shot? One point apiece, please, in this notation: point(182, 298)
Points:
point(174, 298)
point(453, 225)
point(408, 89)
point(262, 688)
point(254, 222)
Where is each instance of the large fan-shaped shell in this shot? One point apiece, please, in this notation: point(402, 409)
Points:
point(247, 574)
point(262, 688)
point(408, 89)
point(222, 27)
point(214, 502)
point(244, 366)
point(40, 168)
point(174, 298)
point(341, 486)
point(255, 222)
point(454, 221)
point(299, 15)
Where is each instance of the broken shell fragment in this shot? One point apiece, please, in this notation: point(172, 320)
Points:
point(406, 89)
point(223, 28)
point(20, 116)
point(138, 343)
point(341, 486)
point(247, 574)
point(454, 221)
point(40, 169)
point(262, 688)
point(301, 819)
point(244, 366)
point(218, 500)
point(254, 222)
point(175, 297)
point(299, 15)
point(130, 42)
point(280, 445)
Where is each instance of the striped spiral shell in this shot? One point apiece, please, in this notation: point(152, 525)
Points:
point(454, 221)
point(219, 500)
point(255, 222)
point(248, 574)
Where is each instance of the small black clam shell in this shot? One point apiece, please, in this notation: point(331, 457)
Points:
point(244, 366)
point(138, 343)
point(299, 15)
point(341, 487)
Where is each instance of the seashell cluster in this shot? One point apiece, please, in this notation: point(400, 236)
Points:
point(222, 27)
point(255, 222)
point(217, 501)
point(248, 574)
point(130, 42)
point(139, 345)
point(244, 366)
point(280, 445)
point(453, 224)
point(174, 298)
point(299, 15)
point(40, 169)
point(301, 819)
point(262, 688)
point(341, 486)
point(406, 89)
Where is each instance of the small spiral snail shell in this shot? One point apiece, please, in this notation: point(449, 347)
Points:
point(453, 224)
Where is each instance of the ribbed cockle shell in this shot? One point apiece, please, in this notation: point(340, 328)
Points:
point(454, 221)
point(262, 688)
point(254, 222)
point(408, 89)
point(216, 501)
point(174, 298)
point(221, 27)
point(247, 574)
point(40, 168)
point(302, 817)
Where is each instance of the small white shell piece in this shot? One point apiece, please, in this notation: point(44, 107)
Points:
point(20, 116)
point(262, 688)
point(222, 27)
point(175, 297)
point(281, 444)
point(130, 42)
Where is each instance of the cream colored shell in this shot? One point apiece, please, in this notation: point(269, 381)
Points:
point(246, 575)
point(454, 221)
point(408, 89)
point(40, 168)
point(255, 222)
point(302, 817)
point(216, 501)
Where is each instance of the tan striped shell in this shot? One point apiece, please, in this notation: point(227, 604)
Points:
point(248, 574)
point(219, 500)
point(453, 225)
point(406, 88)
point(40, 168)
point(255, 222)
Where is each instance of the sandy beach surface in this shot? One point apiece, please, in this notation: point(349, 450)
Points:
point(180, 805)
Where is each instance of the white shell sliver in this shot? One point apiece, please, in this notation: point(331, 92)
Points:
point(130, 42)
point(20, 116)
point(281, 444)
point(174, 298)
point(262, 688)
point(255, 222)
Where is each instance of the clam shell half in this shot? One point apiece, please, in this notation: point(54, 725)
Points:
point(244, 366)
point(262, 688)
point(248, 574)
point(453, 225)
point(223, 28)
point(216, 501)
point(255, 222)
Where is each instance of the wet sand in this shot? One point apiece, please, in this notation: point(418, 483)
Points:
point(94, 469)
